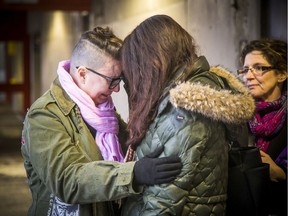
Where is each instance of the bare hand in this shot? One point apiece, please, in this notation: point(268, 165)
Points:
point(276, 173)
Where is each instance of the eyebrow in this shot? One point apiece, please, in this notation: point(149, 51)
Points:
point(258, 64)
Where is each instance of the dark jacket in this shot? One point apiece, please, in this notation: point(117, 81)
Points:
point(193, 122)
point(277, 197)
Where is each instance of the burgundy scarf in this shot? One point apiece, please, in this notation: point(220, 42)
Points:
point(268, 120)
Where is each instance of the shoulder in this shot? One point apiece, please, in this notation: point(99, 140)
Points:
point(53, 100)
point(41, 102)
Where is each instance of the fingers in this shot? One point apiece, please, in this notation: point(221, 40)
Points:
point(169, 167)
point(156, 153)
point(168, 160)
point(150, 171)
point(262, 153)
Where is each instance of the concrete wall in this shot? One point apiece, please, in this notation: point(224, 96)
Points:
point(220, 28)
point(53, 35)
point(58, 37)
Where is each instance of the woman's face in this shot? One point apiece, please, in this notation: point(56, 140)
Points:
point(264, 85)
point(96, 86)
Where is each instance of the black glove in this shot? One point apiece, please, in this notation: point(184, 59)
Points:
point(151, 170)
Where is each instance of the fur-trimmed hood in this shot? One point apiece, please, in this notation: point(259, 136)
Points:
point(221, 105)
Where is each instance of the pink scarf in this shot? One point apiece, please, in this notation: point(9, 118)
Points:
point(102, 118)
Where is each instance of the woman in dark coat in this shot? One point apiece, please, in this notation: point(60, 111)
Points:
point(265, 74)
point(177, 101)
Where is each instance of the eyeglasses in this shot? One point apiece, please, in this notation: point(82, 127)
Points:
point(113, 82)
point(257, 70)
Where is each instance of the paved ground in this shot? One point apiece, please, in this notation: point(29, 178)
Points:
point(14, 192)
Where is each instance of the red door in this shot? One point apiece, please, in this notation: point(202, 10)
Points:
point(14, 62)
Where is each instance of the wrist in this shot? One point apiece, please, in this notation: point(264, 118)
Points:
point(277, 174)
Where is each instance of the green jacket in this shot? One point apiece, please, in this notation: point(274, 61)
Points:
point(196, 121)
point(61, 159)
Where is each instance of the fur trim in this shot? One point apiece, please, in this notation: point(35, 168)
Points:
point(234, 82)
point(219, 105)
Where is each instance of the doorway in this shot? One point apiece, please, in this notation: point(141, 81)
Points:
point(14, 80)
point(14, 64)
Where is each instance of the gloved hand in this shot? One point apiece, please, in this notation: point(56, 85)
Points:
point(151, 170)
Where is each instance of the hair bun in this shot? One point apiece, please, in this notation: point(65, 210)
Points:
point(105, 32)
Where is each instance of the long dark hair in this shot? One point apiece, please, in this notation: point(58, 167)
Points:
point(150, 56)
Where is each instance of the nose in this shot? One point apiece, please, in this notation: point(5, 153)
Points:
point(249, 74)
point(116, 88)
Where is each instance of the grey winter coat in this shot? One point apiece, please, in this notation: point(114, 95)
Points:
point(195, 121)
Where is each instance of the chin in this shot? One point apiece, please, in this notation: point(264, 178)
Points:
point(101, 101)
point(257, 97)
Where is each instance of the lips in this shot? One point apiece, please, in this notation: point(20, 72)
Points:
point(251, 86)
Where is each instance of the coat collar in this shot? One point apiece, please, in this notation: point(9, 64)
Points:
point(229, 106)
point(64, 102)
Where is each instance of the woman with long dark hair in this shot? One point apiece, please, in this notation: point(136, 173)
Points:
point(177, 101)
